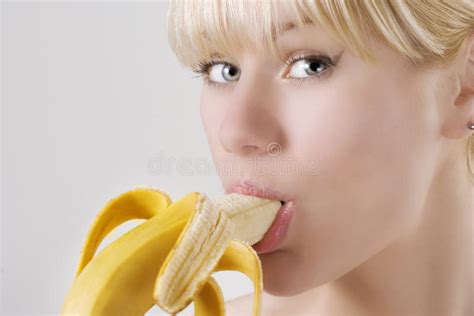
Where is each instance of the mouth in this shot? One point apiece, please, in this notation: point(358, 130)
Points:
point(252, 188)
point(275, 235)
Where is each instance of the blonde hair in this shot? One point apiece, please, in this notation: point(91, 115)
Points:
point(426, 32)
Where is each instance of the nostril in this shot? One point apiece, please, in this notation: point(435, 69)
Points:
point(282, 203)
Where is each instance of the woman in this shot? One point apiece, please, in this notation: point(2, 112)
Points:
point(376, 96)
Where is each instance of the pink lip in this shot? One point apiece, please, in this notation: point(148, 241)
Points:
point(252, 188)
point(276, 233)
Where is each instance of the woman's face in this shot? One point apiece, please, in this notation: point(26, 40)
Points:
point(361, 139)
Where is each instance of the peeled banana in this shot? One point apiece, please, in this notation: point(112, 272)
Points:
point(168, 259)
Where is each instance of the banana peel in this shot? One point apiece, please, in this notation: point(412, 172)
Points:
point(168, 260)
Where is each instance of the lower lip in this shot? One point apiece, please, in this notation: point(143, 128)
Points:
point(275, 235)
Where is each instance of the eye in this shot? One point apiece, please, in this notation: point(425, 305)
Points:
point(217, 72)
point(226, 71)
point(308, 66)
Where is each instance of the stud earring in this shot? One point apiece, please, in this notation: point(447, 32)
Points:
point(470, 126)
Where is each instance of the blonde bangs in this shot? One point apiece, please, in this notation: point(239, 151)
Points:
point(200, 30)
point(423, 31)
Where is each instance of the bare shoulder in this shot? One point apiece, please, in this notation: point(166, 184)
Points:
point(239, 306)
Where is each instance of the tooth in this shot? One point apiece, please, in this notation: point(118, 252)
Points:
point(168, 259)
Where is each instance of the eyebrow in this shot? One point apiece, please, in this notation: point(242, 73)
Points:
point(288, 26)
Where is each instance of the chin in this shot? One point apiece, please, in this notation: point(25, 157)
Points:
point(282, 274)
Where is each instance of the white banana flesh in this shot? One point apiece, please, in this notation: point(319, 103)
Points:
point(251, 216)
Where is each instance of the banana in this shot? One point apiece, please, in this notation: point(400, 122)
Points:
point(168, 259)
point(251, 215)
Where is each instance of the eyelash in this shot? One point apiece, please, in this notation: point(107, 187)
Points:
point(202, 68)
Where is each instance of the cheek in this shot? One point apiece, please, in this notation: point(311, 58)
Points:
point(368, 141)
point(373, 165)
point(208, 114)
point(211, 117)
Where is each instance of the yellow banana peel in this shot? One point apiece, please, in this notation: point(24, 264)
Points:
point(168, 260)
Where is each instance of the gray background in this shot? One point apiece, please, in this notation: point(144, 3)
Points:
point(93, 103)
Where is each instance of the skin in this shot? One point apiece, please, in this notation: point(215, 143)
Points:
point(383, 224)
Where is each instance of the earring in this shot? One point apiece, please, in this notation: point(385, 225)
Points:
point(470, 125)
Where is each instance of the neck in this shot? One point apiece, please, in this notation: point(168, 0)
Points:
point(429, 271)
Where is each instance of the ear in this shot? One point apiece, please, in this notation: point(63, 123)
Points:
point(461, 113)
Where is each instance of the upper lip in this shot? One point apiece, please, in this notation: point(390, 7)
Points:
point(253, 188)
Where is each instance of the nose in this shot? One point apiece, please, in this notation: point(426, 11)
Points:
point(250, 123)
